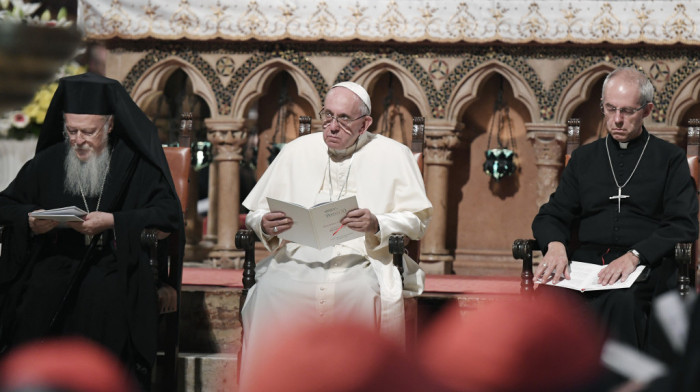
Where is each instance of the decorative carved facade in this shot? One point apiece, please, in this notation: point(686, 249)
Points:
point(451, 80)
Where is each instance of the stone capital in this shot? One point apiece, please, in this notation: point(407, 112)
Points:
point(549, 142)
point(228, 138)
point(441, 139)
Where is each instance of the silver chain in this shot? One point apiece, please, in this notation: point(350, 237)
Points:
point(607, 149)
point(99, 199)
point(102, 188)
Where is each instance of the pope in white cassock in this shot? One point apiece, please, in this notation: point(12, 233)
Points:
point(353, 280)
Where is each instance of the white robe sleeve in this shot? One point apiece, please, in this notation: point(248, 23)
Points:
point(254, 221)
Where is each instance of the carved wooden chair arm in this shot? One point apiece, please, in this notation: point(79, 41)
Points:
point(245, 240)
point(522, 250)
point(167, 302)
point(683, 257)
point(397, 247)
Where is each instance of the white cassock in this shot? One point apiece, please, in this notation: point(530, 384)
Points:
point(357, 278)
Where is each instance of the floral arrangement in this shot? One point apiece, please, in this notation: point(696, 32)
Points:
point(27, 121)
point(21, 12)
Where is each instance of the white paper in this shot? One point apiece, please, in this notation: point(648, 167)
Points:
point(318, 226)
point(630, 362)
point(63, 214)
point(584, 277)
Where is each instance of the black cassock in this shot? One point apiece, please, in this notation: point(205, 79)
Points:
point(660, 211)
point(115, 302)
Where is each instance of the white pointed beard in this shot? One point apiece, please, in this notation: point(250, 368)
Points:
point(89, 174)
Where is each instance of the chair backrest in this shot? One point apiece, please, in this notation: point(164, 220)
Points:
point(417, 144)
point(693, 156)
point(573, 138)
point(179, 160)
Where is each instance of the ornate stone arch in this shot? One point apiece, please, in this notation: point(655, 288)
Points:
point(153, 80)
point(578, 91)
point(687, 95)
point(466, 91)
point(412, 89)
point(254, 86)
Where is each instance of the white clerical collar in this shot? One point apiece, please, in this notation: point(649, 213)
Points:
point(363, 139)
point(623, 145)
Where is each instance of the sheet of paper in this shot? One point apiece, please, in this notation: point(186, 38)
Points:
point(318, 226)
point(63, 214)
point(584, 277)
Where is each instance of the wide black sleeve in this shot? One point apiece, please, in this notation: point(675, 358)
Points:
point(679, 220)
point(555, 219)
point(16, 201)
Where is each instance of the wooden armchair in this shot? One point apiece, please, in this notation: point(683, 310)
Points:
point(399, 243)
point(169, 274)
point(685, 253)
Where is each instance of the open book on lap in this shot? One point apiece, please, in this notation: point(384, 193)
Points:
point(318, 226)
point(63, 214)
point(584, 277)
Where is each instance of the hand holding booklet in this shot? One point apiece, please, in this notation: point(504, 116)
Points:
point(584, 277)
point(63, 214)
point(318, 226)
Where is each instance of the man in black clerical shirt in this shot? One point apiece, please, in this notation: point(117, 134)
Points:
point(97, 151)
point(632, 198)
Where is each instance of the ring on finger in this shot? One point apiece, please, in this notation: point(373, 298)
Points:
point(275, 229)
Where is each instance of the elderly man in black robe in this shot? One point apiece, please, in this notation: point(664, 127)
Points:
point(97, 151)
point(633, 198)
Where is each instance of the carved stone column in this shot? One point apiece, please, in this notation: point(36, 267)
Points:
point(228, 137)
point(549, 142)
point(440, 141)
point(212, 215)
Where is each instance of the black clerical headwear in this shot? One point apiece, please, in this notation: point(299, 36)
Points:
point(90, 93)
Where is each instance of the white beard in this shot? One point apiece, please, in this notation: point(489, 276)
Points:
point(88, 175)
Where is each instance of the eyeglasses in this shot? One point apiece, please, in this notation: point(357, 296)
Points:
point(71, 133)
point(343, 120)
point(610, 110)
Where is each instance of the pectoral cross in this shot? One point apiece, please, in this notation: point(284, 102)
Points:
point(619, 197)
point(88, 240)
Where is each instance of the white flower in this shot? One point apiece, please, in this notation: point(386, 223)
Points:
point(5, 125)
point(24, 12)
point(18, 119)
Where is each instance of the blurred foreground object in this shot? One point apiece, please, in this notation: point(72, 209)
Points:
point(548, 343)
point(68, 364)
point(32, 49)
point(336, 357)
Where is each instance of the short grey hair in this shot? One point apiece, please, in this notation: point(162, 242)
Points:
point(646, 89)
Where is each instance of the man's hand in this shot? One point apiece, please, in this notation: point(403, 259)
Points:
point(94, 223)
point(620, 268)
point(274, 223)
point(167, 299)
point(361, 219)
point(41, 226)
point(554, 262)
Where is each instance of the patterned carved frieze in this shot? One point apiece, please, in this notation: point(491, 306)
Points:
point(513, 21)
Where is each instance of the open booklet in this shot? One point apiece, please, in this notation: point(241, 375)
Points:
point(63, 214)
point(584, 277)
point(318, 226)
